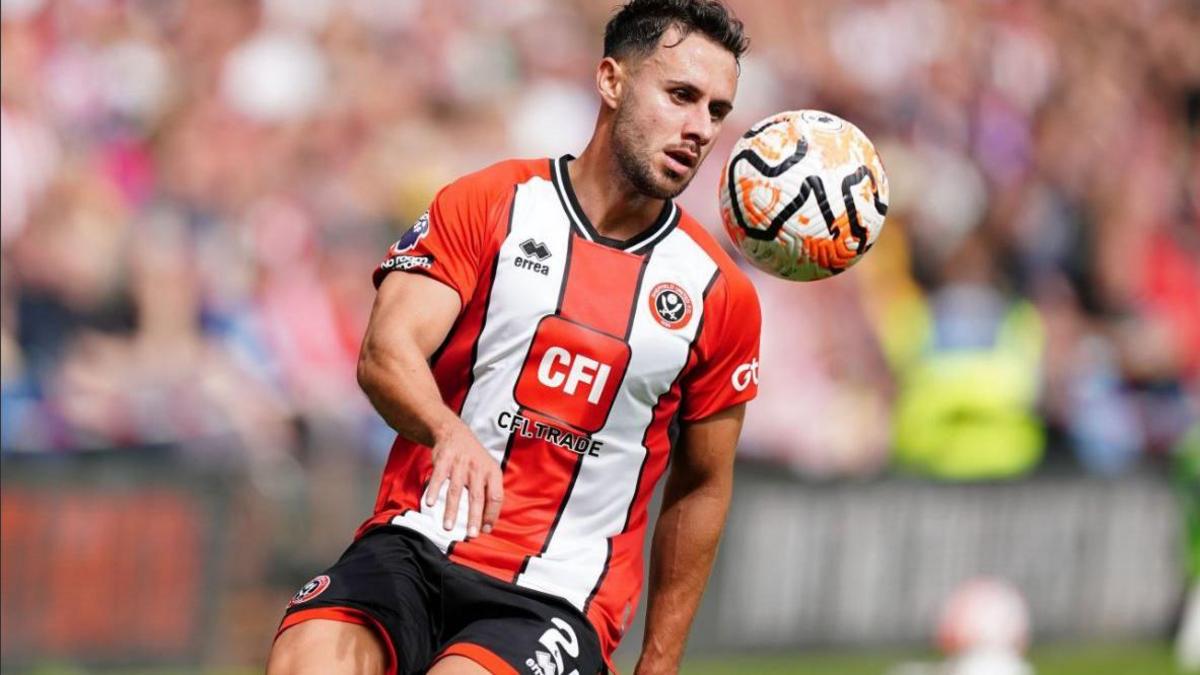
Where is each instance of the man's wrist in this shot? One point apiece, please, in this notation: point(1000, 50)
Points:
point(445, 427)
point(649, 665)
point(655, 660)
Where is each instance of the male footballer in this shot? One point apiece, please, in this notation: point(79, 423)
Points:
point(548, 341)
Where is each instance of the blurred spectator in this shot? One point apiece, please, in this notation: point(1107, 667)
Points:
point(193, 193)
point(968, 359)
point(823, 407)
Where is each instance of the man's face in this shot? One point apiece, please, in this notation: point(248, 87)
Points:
point(674, 103)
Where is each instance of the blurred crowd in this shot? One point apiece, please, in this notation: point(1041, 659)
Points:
point(195, 192)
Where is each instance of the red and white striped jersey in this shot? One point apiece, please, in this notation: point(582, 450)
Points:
point(571, 357)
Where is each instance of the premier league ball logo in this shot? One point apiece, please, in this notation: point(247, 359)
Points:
point(409, 239)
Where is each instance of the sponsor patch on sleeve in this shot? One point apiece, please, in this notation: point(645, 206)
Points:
point(407, 262)
point(310, 590)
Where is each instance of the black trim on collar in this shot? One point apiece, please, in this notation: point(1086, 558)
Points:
point(642, 241)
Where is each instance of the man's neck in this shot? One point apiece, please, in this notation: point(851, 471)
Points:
point(614, 207)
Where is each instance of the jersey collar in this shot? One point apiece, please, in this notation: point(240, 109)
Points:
point(643, 241)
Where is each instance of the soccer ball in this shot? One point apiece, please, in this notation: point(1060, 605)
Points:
point(803, 195)
point(983, 614)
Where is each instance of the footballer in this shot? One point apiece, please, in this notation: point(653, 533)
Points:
point(552, 338)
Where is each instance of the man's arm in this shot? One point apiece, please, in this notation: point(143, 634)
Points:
point(411, 316)
point(695, 501)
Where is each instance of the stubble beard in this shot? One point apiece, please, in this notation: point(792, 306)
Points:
point(630, 149)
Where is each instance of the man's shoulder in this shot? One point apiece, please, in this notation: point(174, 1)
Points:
point(729, 273)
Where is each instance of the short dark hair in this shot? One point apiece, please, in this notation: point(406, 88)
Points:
point(638, 26)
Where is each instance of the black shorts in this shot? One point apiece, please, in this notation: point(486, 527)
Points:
point(423, 607)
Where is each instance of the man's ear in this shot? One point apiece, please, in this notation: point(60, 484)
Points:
point(611, 81)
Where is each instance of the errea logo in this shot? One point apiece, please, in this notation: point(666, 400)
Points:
point(535, 249)
point(535, 252)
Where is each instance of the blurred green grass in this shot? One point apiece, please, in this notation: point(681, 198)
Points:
point(1151, 658)
point(1108, 659)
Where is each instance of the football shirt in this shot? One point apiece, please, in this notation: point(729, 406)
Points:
point(570, 359)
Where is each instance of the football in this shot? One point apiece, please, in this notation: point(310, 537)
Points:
point(982, 614)
point(803, 195)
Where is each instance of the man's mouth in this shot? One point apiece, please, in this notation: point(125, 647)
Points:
point(684, 159)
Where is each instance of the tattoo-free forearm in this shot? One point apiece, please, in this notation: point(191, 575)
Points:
point(411, 316)
point(684, 546)
point(400, 386)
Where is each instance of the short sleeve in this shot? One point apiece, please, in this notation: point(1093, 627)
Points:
point(725, 371)
point(449, 241)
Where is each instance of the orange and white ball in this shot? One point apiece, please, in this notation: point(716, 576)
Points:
point(803, 195)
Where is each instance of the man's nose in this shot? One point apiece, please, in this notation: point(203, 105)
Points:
point(699, 127)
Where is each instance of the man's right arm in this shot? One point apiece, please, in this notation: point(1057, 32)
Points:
point(411, 317)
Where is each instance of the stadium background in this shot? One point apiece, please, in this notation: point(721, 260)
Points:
point(195, 191)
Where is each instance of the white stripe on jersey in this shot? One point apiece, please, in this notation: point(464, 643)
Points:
point(517, 294)
point(597, 507)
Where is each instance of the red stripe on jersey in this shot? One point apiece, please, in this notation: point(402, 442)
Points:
point(539, 474)
point(537, 480)
point(600, 287)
